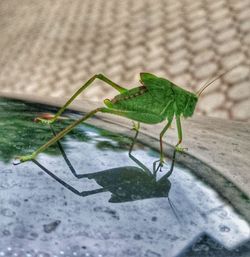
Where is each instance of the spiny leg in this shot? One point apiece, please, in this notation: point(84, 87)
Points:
point(58, 136)
point(161, 161)
point(161, 137)
point(177, 148)
point(79, 91)
point(179, 130)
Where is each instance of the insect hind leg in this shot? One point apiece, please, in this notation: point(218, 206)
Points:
point(58, 136)
point(78, 92)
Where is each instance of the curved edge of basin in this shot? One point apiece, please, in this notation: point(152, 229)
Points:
point(218, 149)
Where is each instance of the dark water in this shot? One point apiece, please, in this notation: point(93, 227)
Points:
point(120, 209)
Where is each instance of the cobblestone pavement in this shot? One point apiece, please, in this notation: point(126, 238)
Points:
point(51, 47)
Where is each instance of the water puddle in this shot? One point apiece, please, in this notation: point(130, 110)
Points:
point(120, 208)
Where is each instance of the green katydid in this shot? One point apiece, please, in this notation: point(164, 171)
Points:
point(155, 101)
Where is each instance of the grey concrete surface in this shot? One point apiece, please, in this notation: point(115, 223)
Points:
point(219, 146)
point(122, 210)
point(49, 48)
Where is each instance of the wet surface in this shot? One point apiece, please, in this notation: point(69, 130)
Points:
point(120, 208)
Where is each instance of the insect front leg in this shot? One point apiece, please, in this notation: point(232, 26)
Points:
point(161, 161)
point(52, 119)
point(161, 137)
point(179, 130)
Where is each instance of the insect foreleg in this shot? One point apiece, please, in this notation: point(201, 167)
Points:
point(79, 91)
point(161, 136)
point(161, 161)
point(179, 130)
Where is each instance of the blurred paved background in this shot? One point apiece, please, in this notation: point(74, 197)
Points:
point(51, 47)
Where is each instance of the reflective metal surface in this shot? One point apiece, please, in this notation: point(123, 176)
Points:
point(121, 208)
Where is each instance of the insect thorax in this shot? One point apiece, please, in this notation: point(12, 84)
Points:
point(185, 102)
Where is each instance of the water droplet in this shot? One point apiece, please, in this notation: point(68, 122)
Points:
point(7, 184)
point(137, 237)
point(20, 231)
point(224, 228)
point(16, 161)
point(6, 233)
point(48, 228)
point(42, 254)
point(154, 218)
point(7, 212)
point(32, 236)
point(223, 214)
point(14, 203)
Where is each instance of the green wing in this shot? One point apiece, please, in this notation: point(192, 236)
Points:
point(160, 89)
point(181, 101)
point(152, 82)
point(155, 97)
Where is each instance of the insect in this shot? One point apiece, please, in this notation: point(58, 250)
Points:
point(155, 101)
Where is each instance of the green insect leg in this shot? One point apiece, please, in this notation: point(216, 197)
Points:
point(179, 130)
point(161, 143)
point(58, 136)
point(161, 161)
point(79, 91)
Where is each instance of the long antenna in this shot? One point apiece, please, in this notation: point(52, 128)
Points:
point(199, 92)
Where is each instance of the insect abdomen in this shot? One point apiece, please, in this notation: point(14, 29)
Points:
point(138, 100)
point(130, 94)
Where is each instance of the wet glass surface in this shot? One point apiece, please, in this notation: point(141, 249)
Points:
point(122, 211)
